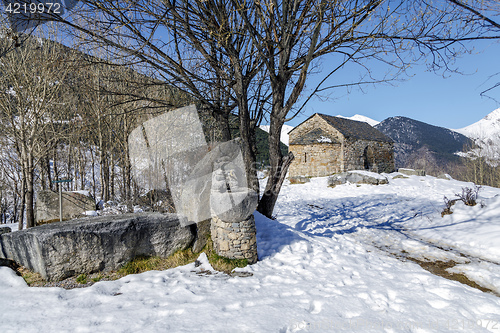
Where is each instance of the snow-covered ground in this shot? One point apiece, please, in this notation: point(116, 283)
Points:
point(327, 263)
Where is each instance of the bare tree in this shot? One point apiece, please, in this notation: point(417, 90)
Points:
point(223, 52)
point(202, 52)
point(487, 13)
point(30, 95)
point(292, 36)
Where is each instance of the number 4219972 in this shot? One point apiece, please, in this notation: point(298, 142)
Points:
point(33, 8)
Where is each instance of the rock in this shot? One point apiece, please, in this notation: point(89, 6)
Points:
point(357, 177)
point(195, 196)
point(75, 204)
point(94, 244)
point(218, 185)
point(299, 180)
point(241, 274)
point(202, 234)
point(5, 230)
point(234, 206)
point(411, 172)
point(444, 176)
point(158, 200)
point(400, 177)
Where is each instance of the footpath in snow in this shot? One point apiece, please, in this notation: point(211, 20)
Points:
point(331, 261)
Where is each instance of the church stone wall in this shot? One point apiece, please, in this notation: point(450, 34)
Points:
point(374, 156)
point(316, 160)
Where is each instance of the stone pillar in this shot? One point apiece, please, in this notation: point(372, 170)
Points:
point(232, 205)
point(235, 240)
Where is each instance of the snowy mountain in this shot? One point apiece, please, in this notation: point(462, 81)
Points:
point(486, 128)
point(421, 145)
point(359, 117)
point(284, 132)
point(486, 134)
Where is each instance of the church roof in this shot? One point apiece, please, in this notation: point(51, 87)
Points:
point(351, 129)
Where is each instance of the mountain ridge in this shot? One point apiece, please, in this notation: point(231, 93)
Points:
point(423, 146)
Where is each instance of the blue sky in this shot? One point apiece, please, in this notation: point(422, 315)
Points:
point(452, 102)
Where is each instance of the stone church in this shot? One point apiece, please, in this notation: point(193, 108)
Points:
point(324, 145)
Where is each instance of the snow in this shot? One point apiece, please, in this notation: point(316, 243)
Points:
point(369, 174)
point(455, 230)
point(323, 139)
point(11, 92)
point(327, 263)
point(489, 126)
point(12, 226)
point(486, 134)
point(365, 119)
point(83, 192)
point(284, 132)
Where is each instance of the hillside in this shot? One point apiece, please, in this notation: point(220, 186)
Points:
point(421, 145)
point(262, 143)
point(262, 138)
point(284, 132)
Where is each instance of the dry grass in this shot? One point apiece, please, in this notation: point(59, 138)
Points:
point(181, 258)
point(144, 264)
point(222, 264)
point(440, 268)
point(138, 265)
point(30, 277)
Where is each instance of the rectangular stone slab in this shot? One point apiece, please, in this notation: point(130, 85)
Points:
point(94, 244)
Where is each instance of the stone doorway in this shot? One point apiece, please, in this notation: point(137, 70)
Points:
point(369, 159)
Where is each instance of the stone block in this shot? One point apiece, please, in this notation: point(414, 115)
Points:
point(234, 206)
point(229, 244)
point(224, 246)
point(299, 180)
point(411, 172)
point(202, 234)
point(158, 200)
point(357, 177)
point(75, 204)
point(88, 245)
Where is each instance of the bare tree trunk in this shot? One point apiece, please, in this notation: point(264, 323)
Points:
point(30, 195)
point(16, 203)
point(277, 173)
point(104, 167)
point(222, 123)
point(69, 185)
point(126, 171)
point(93, 172)
point(46, 166)
point(54, 165)
point(43, 172)
point(23, 204)
point(81, 166)
point(103, 162)
point(112, 177)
